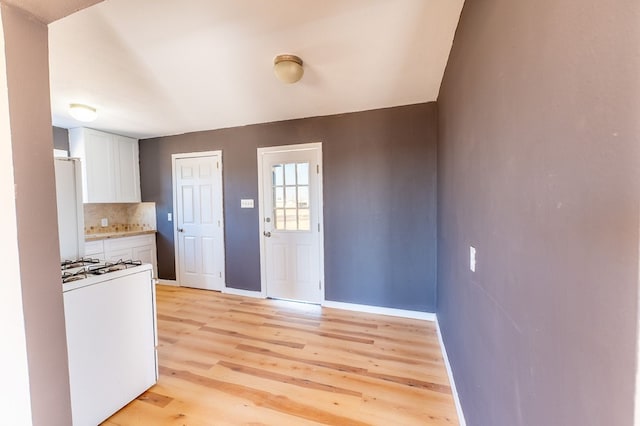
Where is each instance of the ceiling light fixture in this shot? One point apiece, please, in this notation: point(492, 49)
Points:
point(82, 112)
point(288, 68)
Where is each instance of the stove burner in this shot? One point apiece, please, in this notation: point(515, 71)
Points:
point(84, 261)
point(68, 277)
point(88, 267)
point(115, 266)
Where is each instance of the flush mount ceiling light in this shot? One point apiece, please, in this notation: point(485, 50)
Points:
point(83, 112)
point(288, 68)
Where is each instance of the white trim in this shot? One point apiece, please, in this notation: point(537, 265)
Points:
point(288, 148)
point(636, 411)
point(246, 293)
point(403, 313)
point(454, 391)
point(172, 283)
point(174, 157)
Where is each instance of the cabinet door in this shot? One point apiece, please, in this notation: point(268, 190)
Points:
point(120, 254)
point(146, 254)
point(94, 250)
point(97, 153)
point(128, 170)
point(110, 166)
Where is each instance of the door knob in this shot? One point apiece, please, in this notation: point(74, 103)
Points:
point(267, 234)
point(180, 229)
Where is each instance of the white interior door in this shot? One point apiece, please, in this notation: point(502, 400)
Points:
point(291, 211)
point(199, 225)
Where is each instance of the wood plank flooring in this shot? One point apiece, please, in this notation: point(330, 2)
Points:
point(231, 360)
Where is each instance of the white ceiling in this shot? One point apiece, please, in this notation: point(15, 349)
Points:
point(163, 67)
point(51, 10)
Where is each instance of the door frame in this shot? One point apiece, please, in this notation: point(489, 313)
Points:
point(263, 264)
point(174, 182)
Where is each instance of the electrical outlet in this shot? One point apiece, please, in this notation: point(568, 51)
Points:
point(472, 258)
point(104, 222)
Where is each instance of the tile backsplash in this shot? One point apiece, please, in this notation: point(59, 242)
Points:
point(121, 217)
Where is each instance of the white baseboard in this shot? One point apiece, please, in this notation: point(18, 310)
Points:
point(172, 283)
point(240, 292)
point(427, 316)
point(454, 391)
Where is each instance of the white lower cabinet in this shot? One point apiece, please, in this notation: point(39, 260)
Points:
point(147, 254)
point(119, 254)
point(94, 249)
point(138, 247)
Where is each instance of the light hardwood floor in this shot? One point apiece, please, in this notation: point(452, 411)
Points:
point(232, 360)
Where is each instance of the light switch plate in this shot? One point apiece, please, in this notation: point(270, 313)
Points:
point(104, 222)
point(246, 203)
point(169, 217)
point(472, 258)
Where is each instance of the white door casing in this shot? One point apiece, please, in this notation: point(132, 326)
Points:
point(198, 220)
point(291, 232)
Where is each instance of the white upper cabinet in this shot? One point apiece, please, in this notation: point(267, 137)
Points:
point(110, 167)
point(128, 178)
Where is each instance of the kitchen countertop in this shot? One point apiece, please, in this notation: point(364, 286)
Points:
point(107, 235)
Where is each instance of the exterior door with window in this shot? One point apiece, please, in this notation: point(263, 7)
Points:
point(291, 199)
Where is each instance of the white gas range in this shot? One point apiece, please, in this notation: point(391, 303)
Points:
point(110, 315)
point(87, 271)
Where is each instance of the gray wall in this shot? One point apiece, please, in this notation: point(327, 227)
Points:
point(60, 138)
point(379, 200)
point(538, 169)
point(35, 204)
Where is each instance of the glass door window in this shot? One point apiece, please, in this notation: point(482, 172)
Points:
point(290, 184)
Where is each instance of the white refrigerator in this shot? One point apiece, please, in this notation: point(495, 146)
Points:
point(70, 209)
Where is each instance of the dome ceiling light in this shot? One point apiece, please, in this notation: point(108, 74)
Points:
point(288, 68)
point(83, 113)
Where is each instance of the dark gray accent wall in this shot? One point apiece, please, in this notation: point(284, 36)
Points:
point(538, 168)
point(379, 200)
point(60, 138)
